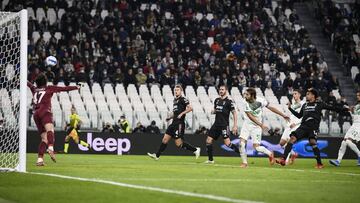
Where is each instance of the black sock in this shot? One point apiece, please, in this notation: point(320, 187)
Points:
point(161, 149)
point(317, 154)
point(209, 149)
point(188, 146)
point(287, 150)
point(234, 147)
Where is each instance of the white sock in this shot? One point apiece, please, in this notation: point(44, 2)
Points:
point(263, 150)
point(243, 152)
point(51, 148)
point(289, 155)
point(342, 150)
point(353, 147)
point(40, 160)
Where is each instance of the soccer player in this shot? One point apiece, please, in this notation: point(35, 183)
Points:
point(253, 125)
point(72, 131)
point(43, 115)
point(223, 105)
point(293, 125)
point(176, 130)
point(351, 136)
point(311, 117)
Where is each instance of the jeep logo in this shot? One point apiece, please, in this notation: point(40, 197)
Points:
point(120, 145)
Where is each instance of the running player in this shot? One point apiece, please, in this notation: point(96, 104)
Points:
point(73, 130)
point(253, 125)
point(311, 117)
point(176, 129)
point(43, 115)
point(351, 136)
point(293, 125)
point(223, 105)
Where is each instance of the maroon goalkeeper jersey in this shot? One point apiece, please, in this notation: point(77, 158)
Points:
point(42, 95)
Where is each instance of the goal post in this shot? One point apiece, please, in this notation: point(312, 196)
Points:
point(13, 90)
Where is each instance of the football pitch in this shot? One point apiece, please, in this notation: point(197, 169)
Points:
point(129, 178)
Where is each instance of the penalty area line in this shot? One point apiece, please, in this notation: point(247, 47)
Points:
point(149, 188)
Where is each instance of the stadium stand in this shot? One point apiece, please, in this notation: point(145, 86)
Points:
point(129, 55)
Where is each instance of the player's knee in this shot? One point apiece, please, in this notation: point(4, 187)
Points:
point(209, 140)
point(256, 146)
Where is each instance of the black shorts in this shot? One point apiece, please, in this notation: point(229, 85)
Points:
point(305, 132)
point(216, 131)
point(176, 130)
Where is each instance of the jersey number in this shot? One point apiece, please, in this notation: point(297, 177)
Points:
point(38, 96)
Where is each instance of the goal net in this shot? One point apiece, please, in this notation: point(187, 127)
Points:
point(13, 78)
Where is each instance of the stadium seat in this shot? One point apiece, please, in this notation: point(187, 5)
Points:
point(51, 16)
point(104, 13)
point(354, 72)
point(40, 14)
point(60, 13)
point(334, 127)
point(31, 12)
point(46, 36)
point(35, 36)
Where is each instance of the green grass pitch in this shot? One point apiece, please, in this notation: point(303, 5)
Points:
point(260, 182)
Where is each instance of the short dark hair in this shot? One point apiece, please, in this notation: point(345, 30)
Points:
point(223, 85)
point(297, 90)
point(41, 80)
point(252, 92)
point(314, 92)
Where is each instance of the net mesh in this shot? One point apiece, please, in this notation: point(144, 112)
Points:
point(9, 89)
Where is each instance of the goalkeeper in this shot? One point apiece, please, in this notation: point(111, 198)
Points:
point(72, 131)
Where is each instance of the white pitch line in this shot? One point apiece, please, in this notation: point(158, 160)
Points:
point(141, 187)
point(231, 180)
point(287, 169)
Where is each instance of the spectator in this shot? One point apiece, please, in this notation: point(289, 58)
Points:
point(152, 128)
point(124, 125)
point(50, 74)
point(140, 77)
point(118, 76)
point(139, 128)
point(129, 78)
point(357, 81)
point(201, 131)
point(107, 127)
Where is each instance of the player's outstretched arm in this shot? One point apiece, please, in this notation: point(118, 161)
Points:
point(63, 89)
point(295, 113)
point(334, 108)
point(275, 110)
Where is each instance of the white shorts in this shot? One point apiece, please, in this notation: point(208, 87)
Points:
point(288, 131)
point(353, 133)
point(252, 131)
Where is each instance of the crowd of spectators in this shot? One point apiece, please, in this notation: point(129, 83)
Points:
point(242, 43)
point(339, 23)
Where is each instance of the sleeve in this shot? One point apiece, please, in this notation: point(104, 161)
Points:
point(264, 103)
point(232, 105)
point(186, 101)
point(247, 107)
point(295, 113)
point(61, 89)
point(31, 86)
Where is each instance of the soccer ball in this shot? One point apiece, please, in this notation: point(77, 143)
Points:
point(50, 61)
